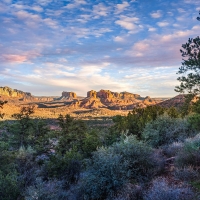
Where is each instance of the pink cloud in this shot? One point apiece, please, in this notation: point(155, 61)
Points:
point(14, 58)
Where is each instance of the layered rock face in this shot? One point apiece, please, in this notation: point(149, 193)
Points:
point(94, 99)
point(107, 94)
point(115, 100)
point(9, 92)
point(92, 93)
point(148, 101)
point(70, 95)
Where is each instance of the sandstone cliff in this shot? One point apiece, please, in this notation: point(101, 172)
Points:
point(69, 100)
point(115, 100)
point(69, 95)
point(9, 92)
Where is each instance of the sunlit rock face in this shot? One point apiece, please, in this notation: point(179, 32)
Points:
point(69, 95)
point(114, 100)
point(9, 92)
point(92, 93)
point(70, 100)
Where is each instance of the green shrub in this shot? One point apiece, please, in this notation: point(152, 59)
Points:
point(135, 121)
point(26, 167)
point(7, 158)
point(186, 174)
point(66, 168)
point(190, 154)
point(9, 188)
point(73, 134)
point(21, 128)
point(139, 117)
point(130, 192)
point(194, 121)
point(45, 190)
point(91, 142)
point(111, 168)
point(171, 150)
point(162, 190)
point(165, 130)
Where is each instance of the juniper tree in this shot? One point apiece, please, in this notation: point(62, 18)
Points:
point(1, 106)
point(190, 80)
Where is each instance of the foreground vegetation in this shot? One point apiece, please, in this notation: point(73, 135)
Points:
point(153, 153)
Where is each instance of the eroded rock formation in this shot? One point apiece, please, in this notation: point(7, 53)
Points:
point(9, 92)
point(70, 95)
point(114, 100)
point(101, 99)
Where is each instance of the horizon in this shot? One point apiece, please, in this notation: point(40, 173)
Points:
point(51, 46)
point(74, 92)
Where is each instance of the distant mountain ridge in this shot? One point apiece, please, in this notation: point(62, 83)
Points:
point(94, 99)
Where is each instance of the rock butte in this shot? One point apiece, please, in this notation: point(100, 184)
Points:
point(101, 99)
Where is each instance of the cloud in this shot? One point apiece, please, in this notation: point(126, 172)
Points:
point(20, 6)
point(26, 15)
point(75, 4)
point(156, 14)
point(51, 23)
point(129, 23)
point(152, 29)
point(14, 58)
point(181, 10)
point(84, 18)
point(162, 24)
point(158, 50)
point(191, 2)
point(7, 1)
point(126, 25)
point(37, 8)
point(44, 2)
point(119, 39)
point(100, 10)
point(145, 81)
point(121, 7)
point(54, 79)
point(35, 20)
point(3, 8)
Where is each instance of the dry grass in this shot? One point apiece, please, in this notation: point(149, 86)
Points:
point(11, 108)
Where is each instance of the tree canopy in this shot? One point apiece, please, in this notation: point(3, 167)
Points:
point(190, 80)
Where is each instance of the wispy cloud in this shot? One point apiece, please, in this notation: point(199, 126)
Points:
point(100, 10)
point(14, 58)
point(129, 23)
point(163, 24)
point(121, 45)
point(121, 7)
point(156, 14)
point(119, 39)
point(75, 4)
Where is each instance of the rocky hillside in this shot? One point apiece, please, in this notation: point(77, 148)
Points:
point(176, 101)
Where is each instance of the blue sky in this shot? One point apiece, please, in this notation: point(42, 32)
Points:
point(50, 46)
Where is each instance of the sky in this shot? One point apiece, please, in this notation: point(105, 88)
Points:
point(50, 46)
